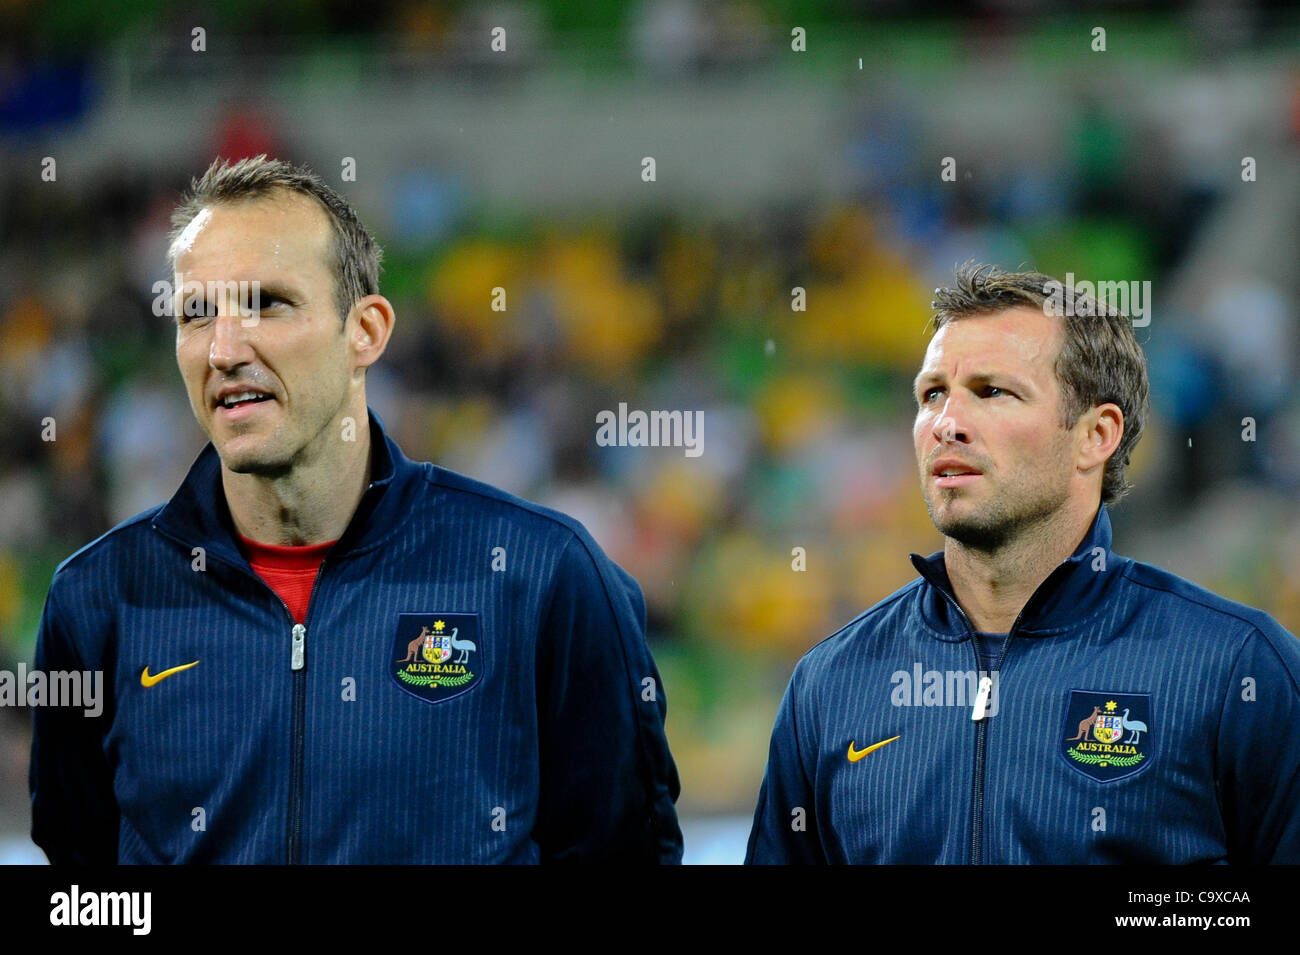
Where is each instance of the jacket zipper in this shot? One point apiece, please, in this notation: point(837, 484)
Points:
point(298, 718)
point(981, 724)
point(981, 744)
point(297, 739)
point(298, 723)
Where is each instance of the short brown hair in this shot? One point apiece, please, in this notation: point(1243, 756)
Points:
point(1100, 360)
point(356, 254)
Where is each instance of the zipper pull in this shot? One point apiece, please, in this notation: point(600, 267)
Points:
point(982, 698)
point(299, 659)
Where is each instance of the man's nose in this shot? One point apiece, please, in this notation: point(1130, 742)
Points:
point(951, 424)
point(229, 348)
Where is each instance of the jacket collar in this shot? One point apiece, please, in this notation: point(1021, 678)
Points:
point(1071, 593)
point(198, 515)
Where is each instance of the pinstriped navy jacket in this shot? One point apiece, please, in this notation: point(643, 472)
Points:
point(1133, 718)
point(524, 724)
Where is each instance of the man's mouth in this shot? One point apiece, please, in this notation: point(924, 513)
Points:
point(952, 472)
point(243, 398)
point(237, 405)
point(953, 477)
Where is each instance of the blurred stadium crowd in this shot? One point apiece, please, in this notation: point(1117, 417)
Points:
point(807, 414)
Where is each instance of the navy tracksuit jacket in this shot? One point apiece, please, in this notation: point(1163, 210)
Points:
point(472, 685)
point(1137, 718)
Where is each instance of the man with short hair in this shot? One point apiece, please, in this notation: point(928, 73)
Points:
point(1034, 697)
point(318, 650)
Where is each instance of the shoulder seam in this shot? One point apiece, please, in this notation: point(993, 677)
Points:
point(879, 606)
point(509, 500)
point(103, 539)
point(1192, 599)
point(1268, 642)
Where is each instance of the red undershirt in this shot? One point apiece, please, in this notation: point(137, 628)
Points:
point(289, 571)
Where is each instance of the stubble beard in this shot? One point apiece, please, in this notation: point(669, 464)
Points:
point(282, 450)
point(1003, 520)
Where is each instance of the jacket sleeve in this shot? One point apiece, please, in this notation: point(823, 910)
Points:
point(74, 812)
point(608, 782)
point(1259, 751)
point(785, 829)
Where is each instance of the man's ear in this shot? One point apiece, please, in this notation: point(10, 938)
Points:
point(371, 325)
point(1102, 428)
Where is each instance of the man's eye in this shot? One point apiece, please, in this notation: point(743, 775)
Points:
point(992, 388)
point(192, 309)
point(925, 395)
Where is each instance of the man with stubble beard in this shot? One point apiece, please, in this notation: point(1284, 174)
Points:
point(1031, 676)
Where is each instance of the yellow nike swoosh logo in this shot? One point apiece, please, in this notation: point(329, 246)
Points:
point(855, 755)
point(146, 680)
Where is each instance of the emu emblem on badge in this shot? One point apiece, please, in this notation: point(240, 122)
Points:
point(437, 656)
point(1109, 732)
